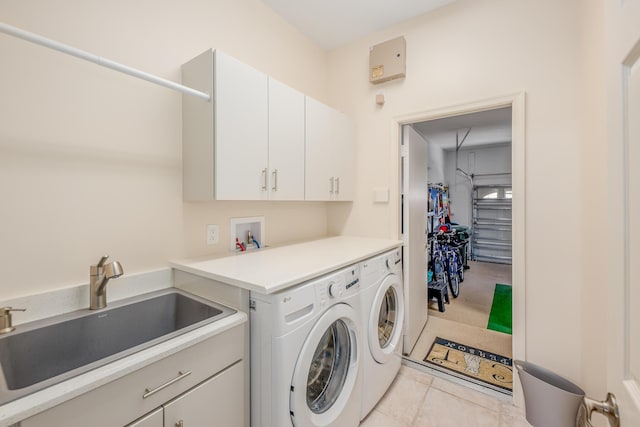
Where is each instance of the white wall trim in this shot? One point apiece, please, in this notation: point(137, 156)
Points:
point(517, 102)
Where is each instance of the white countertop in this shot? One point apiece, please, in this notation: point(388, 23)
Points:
point(49, 397)
point(274, 269)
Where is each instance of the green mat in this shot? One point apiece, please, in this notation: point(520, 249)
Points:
point(500, 317)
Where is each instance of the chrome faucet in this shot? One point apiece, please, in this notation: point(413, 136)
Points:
point(99, 275)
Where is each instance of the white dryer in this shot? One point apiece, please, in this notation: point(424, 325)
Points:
point(306, 349)
point(383, 316)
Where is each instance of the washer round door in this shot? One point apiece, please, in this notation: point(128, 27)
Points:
point(327, 369)
point(385, 319)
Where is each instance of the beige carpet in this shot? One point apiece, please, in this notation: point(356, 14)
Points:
point(473, 305)
point(465, 318)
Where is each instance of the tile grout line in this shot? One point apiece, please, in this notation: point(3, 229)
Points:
point(470, 401)
point(422, 403)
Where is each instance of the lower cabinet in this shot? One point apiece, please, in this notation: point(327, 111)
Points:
point(154, 419)
point(199, 386)
point(217, 401)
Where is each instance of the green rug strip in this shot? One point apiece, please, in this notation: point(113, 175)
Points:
point(500, 316)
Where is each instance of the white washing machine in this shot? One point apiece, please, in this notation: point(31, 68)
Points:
point(306, 349)
point(382, 318)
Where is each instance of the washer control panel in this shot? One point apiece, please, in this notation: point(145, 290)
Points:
point(335, 289)
point(393, 258)
point(340, 284)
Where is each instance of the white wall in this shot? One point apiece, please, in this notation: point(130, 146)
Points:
point(594, 177)
point(436, 166)
point(90, 159)
point(470, 51)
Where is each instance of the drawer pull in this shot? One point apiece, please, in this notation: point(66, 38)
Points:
point(180, 376)
point(180, 424)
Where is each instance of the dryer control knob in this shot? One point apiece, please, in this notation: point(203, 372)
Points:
point(388, 263)
point(334, 290)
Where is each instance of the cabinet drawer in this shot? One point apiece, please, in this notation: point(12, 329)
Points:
point(154, 419)
point(121, 401)
point(216, 402)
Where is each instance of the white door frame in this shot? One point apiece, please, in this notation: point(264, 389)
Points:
point(517, 102)
point(622, 55)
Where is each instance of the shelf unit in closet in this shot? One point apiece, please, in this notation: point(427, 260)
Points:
point(491, 236)
point(438, 208)
point(438, 205)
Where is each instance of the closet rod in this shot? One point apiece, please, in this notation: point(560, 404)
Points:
point(104, 62)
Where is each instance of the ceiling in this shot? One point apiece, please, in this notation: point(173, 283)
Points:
point(332, 23)
point(492, 127)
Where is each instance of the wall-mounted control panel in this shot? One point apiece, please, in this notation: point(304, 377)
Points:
point(387, 60)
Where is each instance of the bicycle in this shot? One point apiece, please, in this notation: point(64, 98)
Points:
point(459, 243)
point(452, 258)
point(438, 263)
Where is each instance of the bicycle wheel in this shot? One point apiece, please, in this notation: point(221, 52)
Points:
point(460, 266)
point(454, 280)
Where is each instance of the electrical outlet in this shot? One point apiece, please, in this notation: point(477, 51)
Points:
point(213, 232)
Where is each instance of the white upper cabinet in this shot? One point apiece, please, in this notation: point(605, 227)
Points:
point(225, 141)
point(241, 126)
point(345, 156)
point(258, 139)
point(286, 142)
point(329, 153)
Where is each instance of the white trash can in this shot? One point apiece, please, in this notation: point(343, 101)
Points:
point(549, 399)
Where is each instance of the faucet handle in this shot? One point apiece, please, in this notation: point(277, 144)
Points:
point(6, 324)
point(6, 310)
point(102, 261)
point(96, 269)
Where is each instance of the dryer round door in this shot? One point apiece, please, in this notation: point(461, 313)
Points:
point(327, 368)
point(385, 319)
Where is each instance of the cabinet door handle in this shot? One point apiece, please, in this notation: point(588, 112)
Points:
point(274, 177)
point(180, 376)
point(331, 180)
point(180, 423)
point(337, 185)
point(264, 179)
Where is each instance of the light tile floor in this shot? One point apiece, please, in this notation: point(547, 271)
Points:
point(418, 399)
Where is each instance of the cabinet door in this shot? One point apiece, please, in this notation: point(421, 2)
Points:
point(286, 142)
point(217, 401)
point(330, 156)
point(153, 419)
point(343, 151)
point(319, 179)
point(241, 130)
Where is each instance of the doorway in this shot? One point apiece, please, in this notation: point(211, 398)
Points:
point(472, 197)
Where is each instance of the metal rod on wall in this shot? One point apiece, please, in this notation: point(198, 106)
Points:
point(69, 50)
point(491, 174)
